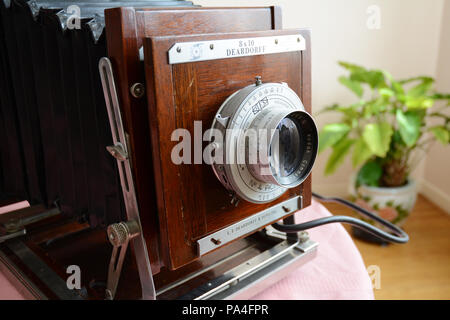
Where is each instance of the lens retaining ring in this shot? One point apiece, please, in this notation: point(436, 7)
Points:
point(238, 114)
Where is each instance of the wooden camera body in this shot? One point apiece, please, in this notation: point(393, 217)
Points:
point(180, 204)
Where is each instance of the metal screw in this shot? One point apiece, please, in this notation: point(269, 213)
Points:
point(108, 295)
point(258, 80)
point(137, 90)
point(211, 46)
point(118, 152)
point(234, 200)
point(178, 49)
point(303, 236)
point(13, 225)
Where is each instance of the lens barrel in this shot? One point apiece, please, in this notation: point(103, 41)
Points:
point(269, 142)
point(286, 149)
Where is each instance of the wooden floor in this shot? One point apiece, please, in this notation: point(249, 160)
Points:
point(419, 269)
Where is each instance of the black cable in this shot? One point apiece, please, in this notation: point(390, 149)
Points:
point(399, 237)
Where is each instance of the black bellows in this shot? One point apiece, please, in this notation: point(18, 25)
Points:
point(53, 121)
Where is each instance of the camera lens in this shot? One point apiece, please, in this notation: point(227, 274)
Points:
point(270, 142)
point(287, 156)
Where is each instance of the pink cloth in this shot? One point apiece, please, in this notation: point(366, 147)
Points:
point(7, 291)
point(14, 207)
point(338, 271)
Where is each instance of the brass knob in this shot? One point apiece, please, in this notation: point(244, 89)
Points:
point(120, 233)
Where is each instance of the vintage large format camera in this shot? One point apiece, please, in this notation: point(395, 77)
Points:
point(181, 132)
point(100, 118)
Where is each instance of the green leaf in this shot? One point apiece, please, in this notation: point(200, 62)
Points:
point(352, 85)
point(350, 112)
point(331, 134)
point(374, 78)
point(361, 153)
point(369, 174)
point(397, 138)
point(441, 134)
point(351, 66)
point(374, 107)
point(378, 137)
point(409, 126)
point(440, 96)
point(333, 107)
point(419, 102)
point(421, 78)
point(422, 88)
point(340, 150)
point(397, 148)
point(386, 92)
point(395, 85)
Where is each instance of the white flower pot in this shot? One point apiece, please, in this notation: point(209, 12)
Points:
point(392, 204)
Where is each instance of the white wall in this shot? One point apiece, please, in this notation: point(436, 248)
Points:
point(436, 178)
point(406, 44)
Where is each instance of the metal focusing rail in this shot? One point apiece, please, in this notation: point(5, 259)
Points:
point(122, 233)
point(254, 275)
point(17, 227)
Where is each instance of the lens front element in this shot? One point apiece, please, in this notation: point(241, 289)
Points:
point(284, 152)
point(286, 157)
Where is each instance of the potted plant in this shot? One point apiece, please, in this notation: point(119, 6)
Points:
point(382, 132)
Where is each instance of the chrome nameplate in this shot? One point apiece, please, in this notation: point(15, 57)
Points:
point(183, 52)
point(248, 225)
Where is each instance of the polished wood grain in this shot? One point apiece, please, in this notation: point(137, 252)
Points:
point(180, 204)
point(419, 269)
point(125, 29)
point(191, 201)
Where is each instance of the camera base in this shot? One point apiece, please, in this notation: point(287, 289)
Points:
point(36, 264)
point(253, 276)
